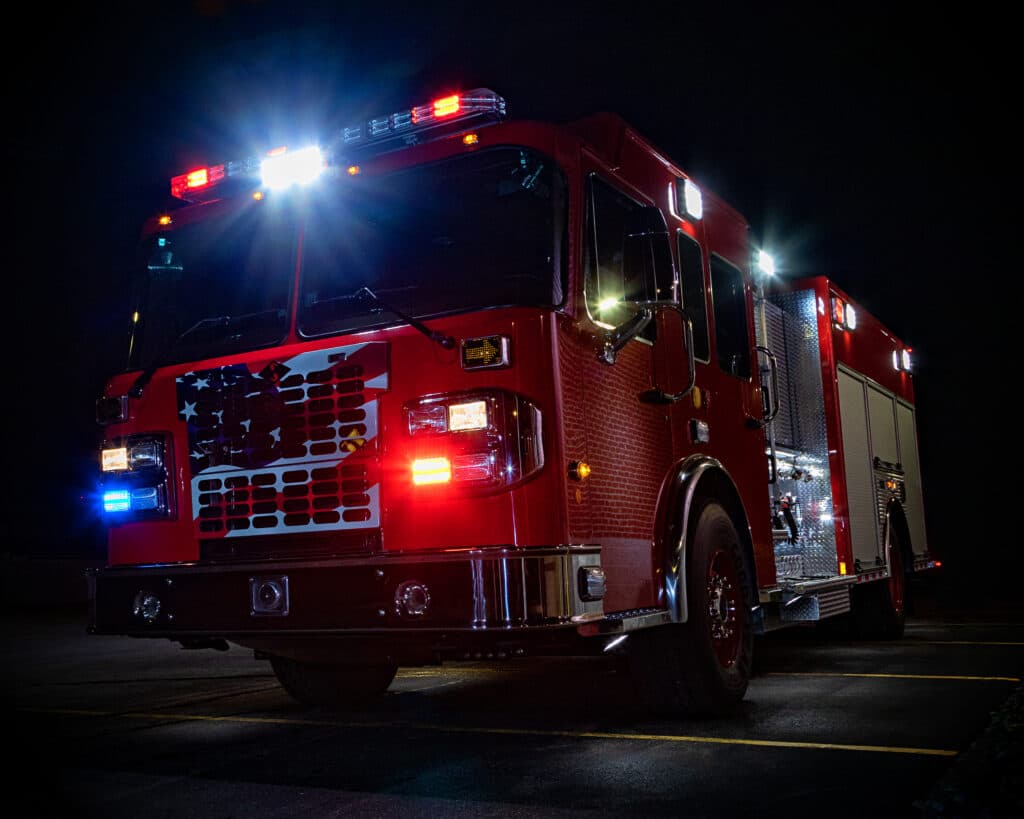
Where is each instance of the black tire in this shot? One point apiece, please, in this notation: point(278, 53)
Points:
point(880, 607)
point(702, 667)
point(330, 684)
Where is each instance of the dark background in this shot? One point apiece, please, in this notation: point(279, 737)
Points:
point(866, 143)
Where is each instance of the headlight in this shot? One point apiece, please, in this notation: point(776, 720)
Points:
point(484, 440)
point(135, 481)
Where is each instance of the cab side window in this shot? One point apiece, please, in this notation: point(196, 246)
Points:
point(614, 273)
point(694, 298)
point(729, 302)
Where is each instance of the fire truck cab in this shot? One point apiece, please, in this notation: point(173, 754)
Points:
point(449, 385)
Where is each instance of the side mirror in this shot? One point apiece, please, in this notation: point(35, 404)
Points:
point(675, 340)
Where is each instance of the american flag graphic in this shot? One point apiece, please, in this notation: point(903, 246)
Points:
point(285, 444)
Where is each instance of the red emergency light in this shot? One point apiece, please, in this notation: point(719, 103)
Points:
point(196, 180)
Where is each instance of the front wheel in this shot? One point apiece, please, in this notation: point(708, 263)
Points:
point(313, 684)
point(702, 667)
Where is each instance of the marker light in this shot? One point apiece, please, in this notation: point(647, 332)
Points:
point(164, 220)
point(843, 315)
point(431, 470)
point(287, 168)
point(471, 139)
point(353, 170)
point(579, 470)
point(685, 200)
point(850, 317)
point(765, 263)
point(471, 415)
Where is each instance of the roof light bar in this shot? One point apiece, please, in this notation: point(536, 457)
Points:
point(283, 168)
point(197, 185)
point(480, 103)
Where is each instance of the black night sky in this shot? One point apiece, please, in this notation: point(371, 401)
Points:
point(865, 142)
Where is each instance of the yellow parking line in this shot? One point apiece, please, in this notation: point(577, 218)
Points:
point(892, 676)
point(968, 642)
point(443, 672)
point(456, 729)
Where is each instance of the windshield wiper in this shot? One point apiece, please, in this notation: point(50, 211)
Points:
point(366, 294)
point(210, 321)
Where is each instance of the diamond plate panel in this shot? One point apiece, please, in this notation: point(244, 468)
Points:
point(790, 327)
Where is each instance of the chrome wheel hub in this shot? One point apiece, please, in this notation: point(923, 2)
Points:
point(721, 608)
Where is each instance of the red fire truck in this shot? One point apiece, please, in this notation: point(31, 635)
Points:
point(450, 386)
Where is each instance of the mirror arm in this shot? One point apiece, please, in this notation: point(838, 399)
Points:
point(614, 340)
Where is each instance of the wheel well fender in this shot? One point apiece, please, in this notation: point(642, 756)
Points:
point(695, 479)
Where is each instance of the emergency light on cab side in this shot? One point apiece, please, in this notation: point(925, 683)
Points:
point(450, 385)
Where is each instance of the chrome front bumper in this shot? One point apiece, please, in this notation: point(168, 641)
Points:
point(474, 590)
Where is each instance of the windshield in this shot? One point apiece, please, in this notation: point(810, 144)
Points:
point(216, 287)
point(483, 230)
point(480, 230)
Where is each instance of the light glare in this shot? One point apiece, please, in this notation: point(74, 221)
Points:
point(694, 201)
point(471, 415)
point(431, 470)
point(115, 460)
point(292, 168)
point(765, 263)
point(446, 106)
point(850, 317)
point(116, 500)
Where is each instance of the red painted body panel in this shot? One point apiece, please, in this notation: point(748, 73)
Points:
point(868, 350)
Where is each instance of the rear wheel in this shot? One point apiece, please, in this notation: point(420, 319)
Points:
point(703, 666)
point(881, 607)
point(313, 684)
point(894, 594)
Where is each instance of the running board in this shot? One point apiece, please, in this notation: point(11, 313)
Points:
point(802, 601)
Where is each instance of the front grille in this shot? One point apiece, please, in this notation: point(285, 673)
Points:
point(289, 448)
point(304, 497)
